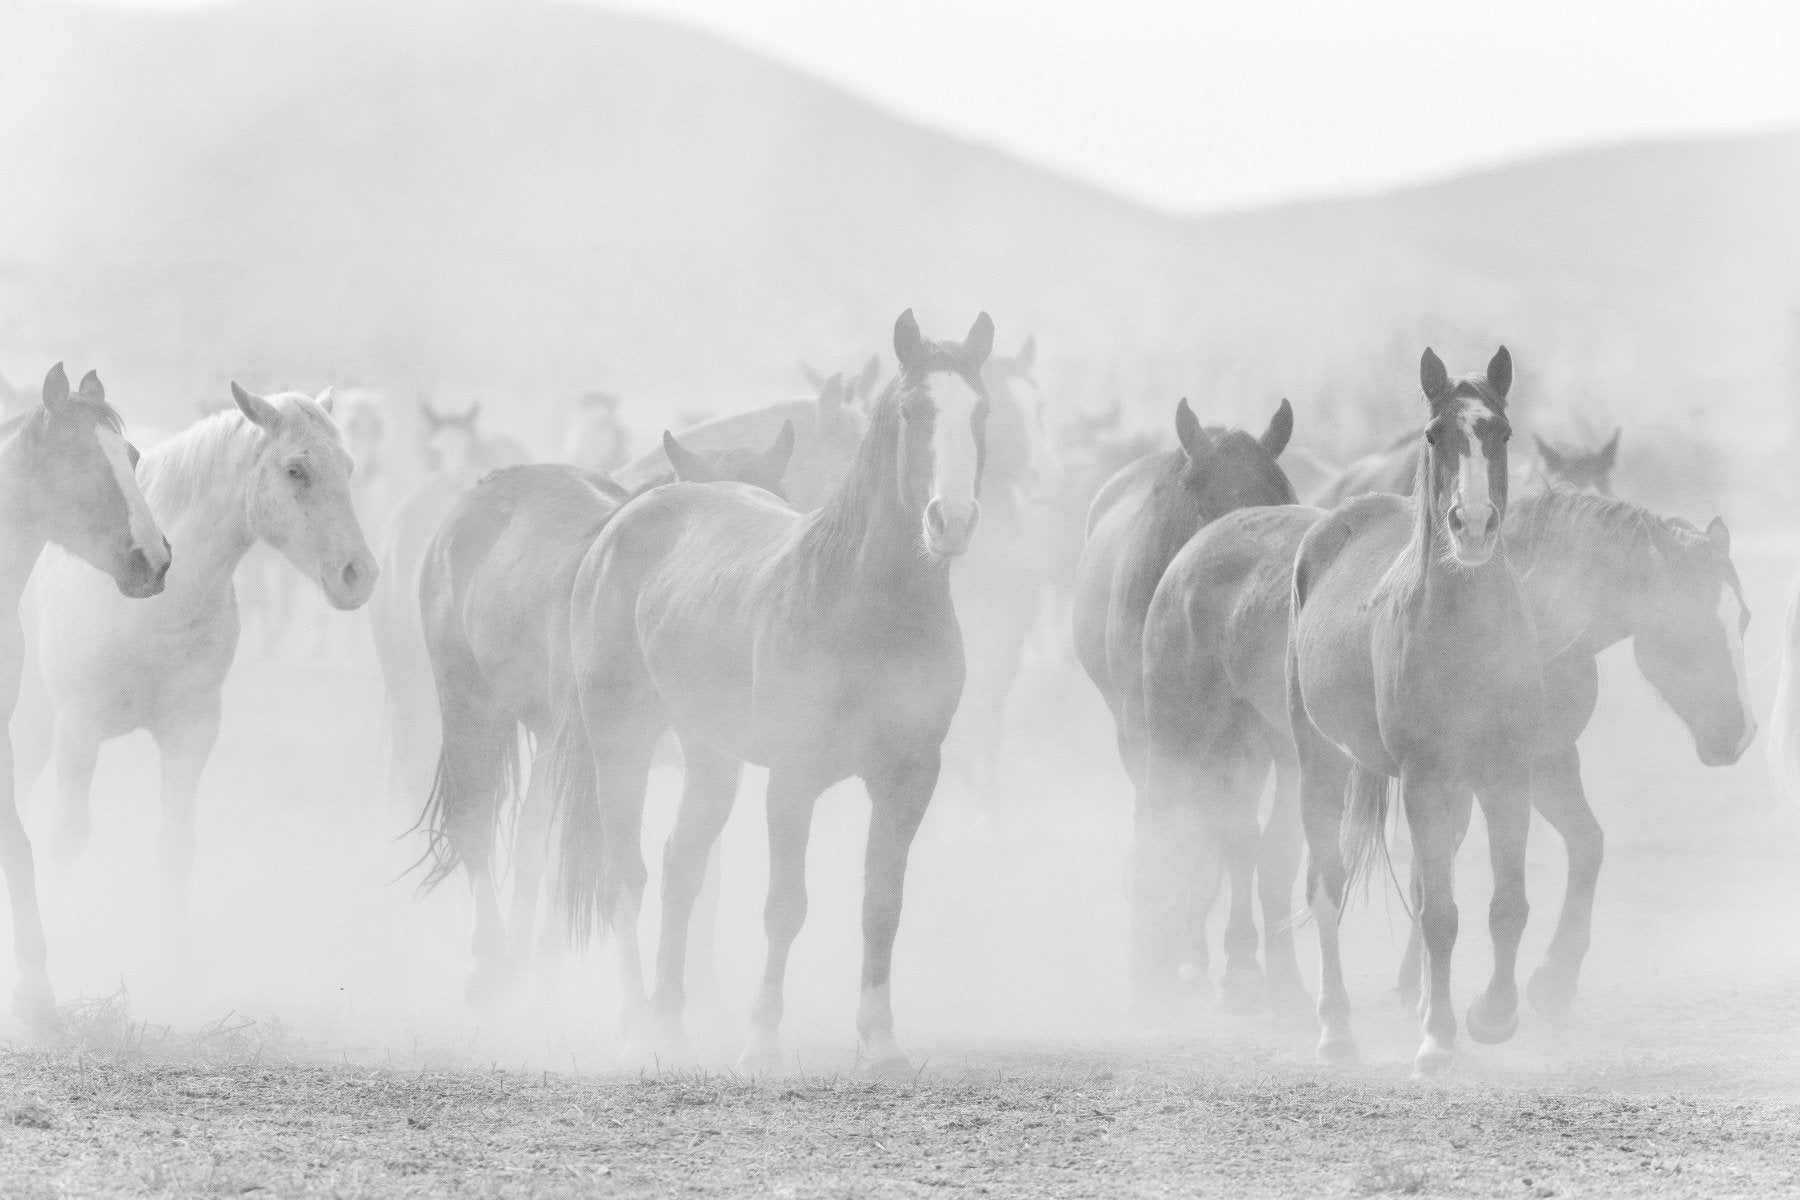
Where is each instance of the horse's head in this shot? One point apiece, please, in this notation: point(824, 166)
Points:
point(943, 405)
point(1691, 645)
point(759, 468)
point(1226, 469)
point(841, 425)
point(362, 417)
point(1014, 417)
point(1585, 471)
point(1464, 465)
point(452, 440)
point(82, 489)
point(299, 493)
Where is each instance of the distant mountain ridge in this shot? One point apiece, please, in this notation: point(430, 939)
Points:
point(528, 198)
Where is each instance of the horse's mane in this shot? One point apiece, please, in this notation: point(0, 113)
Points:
point(833, 536)
point(176, 473)
point(1565, 523)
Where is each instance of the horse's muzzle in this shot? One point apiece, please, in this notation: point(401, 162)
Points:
point(1474, 535)
point(948, 535)
point(351, 585)
point(140, 578)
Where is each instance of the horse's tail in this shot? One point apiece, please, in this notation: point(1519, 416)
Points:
point(1784, 720)
point(477, 778)
point(588, 886)
point(1363, 836)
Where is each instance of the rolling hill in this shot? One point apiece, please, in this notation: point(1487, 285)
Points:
point(523, 199)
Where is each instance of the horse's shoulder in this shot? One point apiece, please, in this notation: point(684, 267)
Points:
point(1334, 530)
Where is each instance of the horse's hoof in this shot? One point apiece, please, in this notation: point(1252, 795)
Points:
point(1338, 1050)
point(1490, 1028)
point(1552, 993)
point(1434, 1059)
point(35, 1006)
point(1406, 999)
point(894, 1065)
point(761, 1056)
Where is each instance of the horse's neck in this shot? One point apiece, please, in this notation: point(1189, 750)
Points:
point(1588, 601)
point(205, 514)
point(1170, 518)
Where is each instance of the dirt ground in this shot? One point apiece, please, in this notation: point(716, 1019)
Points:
point(311, 1040)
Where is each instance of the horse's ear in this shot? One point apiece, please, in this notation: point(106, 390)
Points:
point(1194, 441)
point(472, 417)
point(1281, 428)
point(778, 455)
point(1609, 453)
point(258, 410)
point(814, 380)
point(91, 388)
point(980, 342)
point(831, 392)
point(1433, 379)
point(1499, 372)
point(323, 400)
point(1718, 535)
point(909, 343)
point(56, 387)
point(688, 465)
point(1551, 458)
point(1027, 358)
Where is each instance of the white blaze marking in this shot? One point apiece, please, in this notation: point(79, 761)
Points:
point(1731, 615)
point(1472, 473)
point(145, 535)
point(953, 447)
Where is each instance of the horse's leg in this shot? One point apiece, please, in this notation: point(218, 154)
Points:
point(530, 856)
point(1175, 876)
point(898, 798)
point(1324, 773)
point(33, 732)
point(34, 1002)
point(1556, 791)
point(1277, 865)
point(621, 775)
point(1409, 984)
point(185, 742)
point(75, 750)
point(1232, 819)
point(1494, 1017)
point(708, 791)
point(1437, 812)
point(792, 795)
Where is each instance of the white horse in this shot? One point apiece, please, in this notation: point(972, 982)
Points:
point(273, 470)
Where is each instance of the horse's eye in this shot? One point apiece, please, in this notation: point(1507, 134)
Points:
point(297, 472)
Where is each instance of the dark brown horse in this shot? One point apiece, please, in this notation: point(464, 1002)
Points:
point(1139, 521)
point(820, 646)
point(1593, 571)
point(1412, 657)
point(494, 604)
point(67, 478)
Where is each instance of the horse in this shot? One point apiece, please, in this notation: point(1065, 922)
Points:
point(1139, 520)
point(67, 479)
point(995, 586)
point(458, 452)
point(860, 389)
point(821, 646)
point(279, 604)
point(457, 441)
point(494, 603)
point(827, 430)
point(1412, 656)
point(595, 438)
point(1593, 571)
point(273, 470)
point(1393, 469)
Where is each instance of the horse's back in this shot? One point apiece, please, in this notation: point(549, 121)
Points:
point(1390, 471)
point(1218, 626)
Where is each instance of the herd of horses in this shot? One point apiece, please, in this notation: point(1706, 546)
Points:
point(844, 586)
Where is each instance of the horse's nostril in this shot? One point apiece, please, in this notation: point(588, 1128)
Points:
point(350, 574)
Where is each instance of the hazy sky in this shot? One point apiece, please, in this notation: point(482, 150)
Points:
point(1206, 103)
